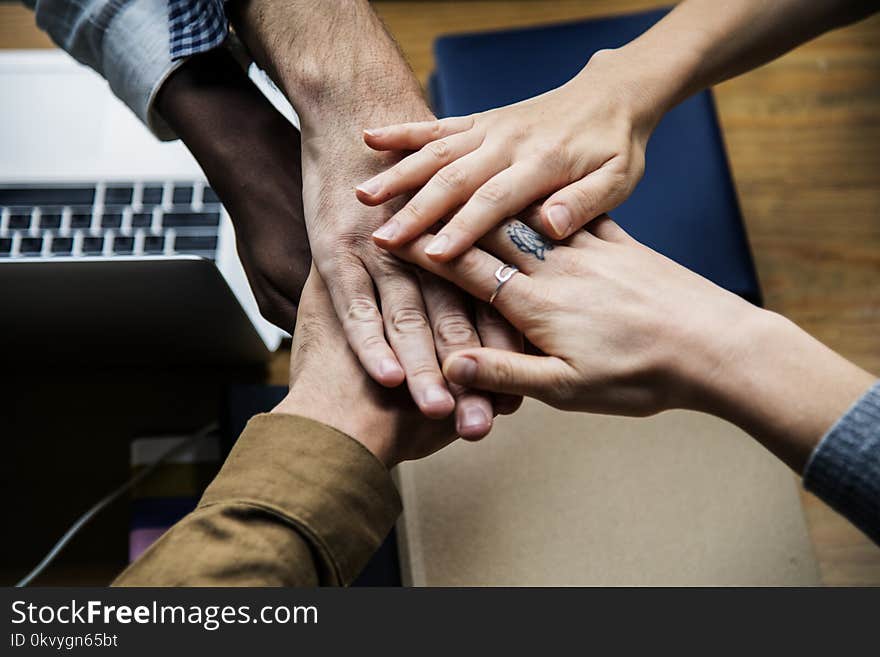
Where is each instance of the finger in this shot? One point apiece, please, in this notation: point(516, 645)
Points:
point(415, 170)
point(605, 228)
point(351, 289)
point(502, 196)
point(517, 244)
point(497, 333)
point(507, 372)
point(453, 330)
point(408, 331)
point(573, 206)
point(474, 272)
point(412, 136)
point(444, 192)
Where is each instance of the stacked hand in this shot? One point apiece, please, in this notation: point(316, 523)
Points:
point(605, 311)
point(328, 384)
point(397, 320)
point(624, 330)
point(582, 144)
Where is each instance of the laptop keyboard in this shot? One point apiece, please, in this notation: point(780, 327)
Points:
point(109, 219)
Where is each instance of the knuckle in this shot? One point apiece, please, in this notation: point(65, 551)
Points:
point(396, 173)
point(504, 372)
point(454, 331)
point(348, 243)
point(439, 150)
point(436, 129)
point(415, 211)
point(362, 311)
point(552, 155)
point(451, 177)
point(493, 193)
point(373, 341)
point(408, 320)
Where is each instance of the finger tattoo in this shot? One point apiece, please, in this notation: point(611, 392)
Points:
point(528, 240)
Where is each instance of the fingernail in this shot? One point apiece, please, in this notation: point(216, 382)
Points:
point(388, 367)
point(370, 188)
point(474, 417)
point(374, 132)
point(435, 395)
point(387, 231)
point(438, 245)
point(560, 219)
point(462, 370)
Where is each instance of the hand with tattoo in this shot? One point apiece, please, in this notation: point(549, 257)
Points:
point(626, 331)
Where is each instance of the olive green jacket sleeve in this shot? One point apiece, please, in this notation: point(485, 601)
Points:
point(297, 503)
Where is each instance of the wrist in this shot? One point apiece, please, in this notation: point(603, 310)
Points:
point(211, 95)
point(777, 383)
point(647, 83)
point(347, 109)
point(350, 76)
point(364, 425)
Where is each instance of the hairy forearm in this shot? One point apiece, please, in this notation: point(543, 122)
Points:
point(332, 58)
point(704, 42)
point(779, 384)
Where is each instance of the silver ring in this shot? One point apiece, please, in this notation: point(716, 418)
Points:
point(503, 274)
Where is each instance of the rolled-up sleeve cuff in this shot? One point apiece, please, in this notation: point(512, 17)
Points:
point(136, 59)
point(324, 483)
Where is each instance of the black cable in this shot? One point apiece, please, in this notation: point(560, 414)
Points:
point(108, 499)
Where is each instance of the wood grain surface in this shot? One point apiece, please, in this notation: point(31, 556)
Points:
point(803, 137)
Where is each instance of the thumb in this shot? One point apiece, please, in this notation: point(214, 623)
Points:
point(569, 209)
point(507, 372)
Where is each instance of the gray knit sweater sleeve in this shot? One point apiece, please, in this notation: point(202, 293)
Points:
point(844, 469)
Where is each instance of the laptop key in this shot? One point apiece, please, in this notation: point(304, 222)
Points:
point(190, 219)
point(183, 194)
point(210, 196)
point(118, 195)
point(50, 220)
point(123, 245)
point(20, 220)
point(5, 246)
point(141, 219)
point(111, 220)
point(60, 195)
point(184, 243)
point(93, 245)
point(154, 244)
point(80, 220)
point(62, 245)
point(30, 245)
point(152, 195)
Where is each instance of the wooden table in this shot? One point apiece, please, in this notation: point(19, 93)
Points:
point(803, 136)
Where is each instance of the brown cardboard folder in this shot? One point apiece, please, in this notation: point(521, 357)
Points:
point(556, 499)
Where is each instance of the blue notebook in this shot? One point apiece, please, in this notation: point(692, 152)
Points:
point(685, 206)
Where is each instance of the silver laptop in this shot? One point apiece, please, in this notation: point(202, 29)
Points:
point(113, 249)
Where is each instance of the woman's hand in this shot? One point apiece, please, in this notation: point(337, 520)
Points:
point(582, 144)
point(624, 330)
point(620, 326)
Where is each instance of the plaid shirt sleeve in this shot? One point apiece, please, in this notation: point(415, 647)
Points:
point(195, 26)
point(134, 44)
